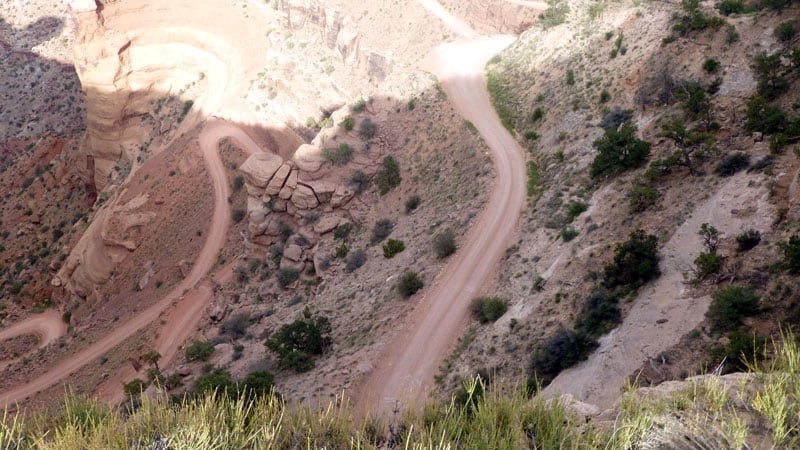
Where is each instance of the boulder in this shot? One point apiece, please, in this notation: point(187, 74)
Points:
point(291, 181)
point(288, 264)
point(327, 224)
point(323, 189)
point(293, 252)
point(259, 168)
point(303, 197)
point(341, 196)
point(286, 193)
point(308, 158)
point(275, 185)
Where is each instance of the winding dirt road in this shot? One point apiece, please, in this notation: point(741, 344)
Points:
point(410, 361)
point(188, 291)
point(47, 326)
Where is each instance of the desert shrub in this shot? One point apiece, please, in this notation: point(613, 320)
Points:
point(537, 114)
point(729, 305)
point(748, 240)
point(791, 253)
point(393, 247)
point(641, 197)
point(570, 77)
point(217, 380)
point(348, 123)
point(382, 229)
point(556, 14)
point(635, 262)
point(740, 352)
point(707, 263)
point(599, 314)
point(732, 163)
point(340, 155)
point(257, 384)
point(531, 135)
point(488, 309)
point(388, 177)
point(444, 244)
point(615, 117)
point(134, 387)
point(236, 326)
point(287, 277)
point(359, 181)
point(409, 283)
point(785, 31)
point(503, 100)
point(568, 233)
point(412, 203)
point(296, 342)
point(355, 260)
point(618, 151)
point(341, 251)
point(237, 215)
point(199, 351)
point(562, 350)
point(711, 65)
point(575, 209)
point(770, 72)
point(342, 231)
point(238, 183)
point(367, 129)
point(604, 97)
point(533, 177)
point(728, 7)
point(693, 19)
point(359, 106)
point(764, 117)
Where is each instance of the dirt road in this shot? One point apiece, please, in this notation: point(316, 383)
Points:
point(196, 296)
point(47, 326)
point(662, 312)
point(409, 362)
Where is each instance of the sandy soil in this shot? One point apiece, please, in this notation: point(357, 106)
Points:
point(663, 312)
point(406, 370)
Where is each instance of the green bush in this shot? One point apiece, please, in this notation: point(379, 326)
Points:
point(568, 233)
point(771, 75)
point(615, 117)
point(488, 309)
point(570, 77)
point(412, 203)
point(236, 326)
point(359, 106)
point(355, 260)
point(134, 387)
point(693, 19)
point(748, 240)
point(296, 342)
point(217, 380)
point(382, 229)
point(604, 97)
point(537, 114)
point(502, 99)
point(562, 350)
point(741, 351)
point(791, 253)
point(359, 181)
point(556, 14)
point(786, 31)
point(618, 151)
point(287, 277)
point(409, 284)
point(340, 155)
point(342, 231)
point(199, 351)
point(444, 244)
point(238, 183)
point(728, 7)
point(732, 163)
point(599, 314)
point(711, 65)
point(707, 263)
point(764, 117)
point(341, 251)
point(348, 123)
point(729, 305)
point(388, 177)
point(393, 247)
point(635, 262)
point(533, 177)
point(257, 384)
point(641, 197)
point(575, 209)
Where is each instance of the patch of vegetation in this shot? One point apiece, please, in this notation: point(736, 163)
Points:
point(748, 240)
point(444, 244)
point(693, 19)
point(217, 380)
point(615, 117)
point(359, 181)
point(359, 106)
point(791, 253)
point(235, 327)
point(786, 31)
point(367, 129)
point(296, 343)
point(412, 203)
point(287, 276)
point(409, 283)
point(568, 233)
point(355, 260)
point(575, 209)
point(554, 15)
point(733, 163)
point(707, 264)
point(635, 262)
point(199, 351)
point(618, 151)
point(237, 215)
point(342, 231)
point(502, 99)
point(562, 350)
point(388, 177)
point(728, 7)
point(711, 65)
point(348, 123)
point(641, 197)
point(340, 155)
point(488, 309)
point(729, 305)
point(382, 229)
point(533, 177)
point(393, 247)
point(765, 118)
point(599, 314)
